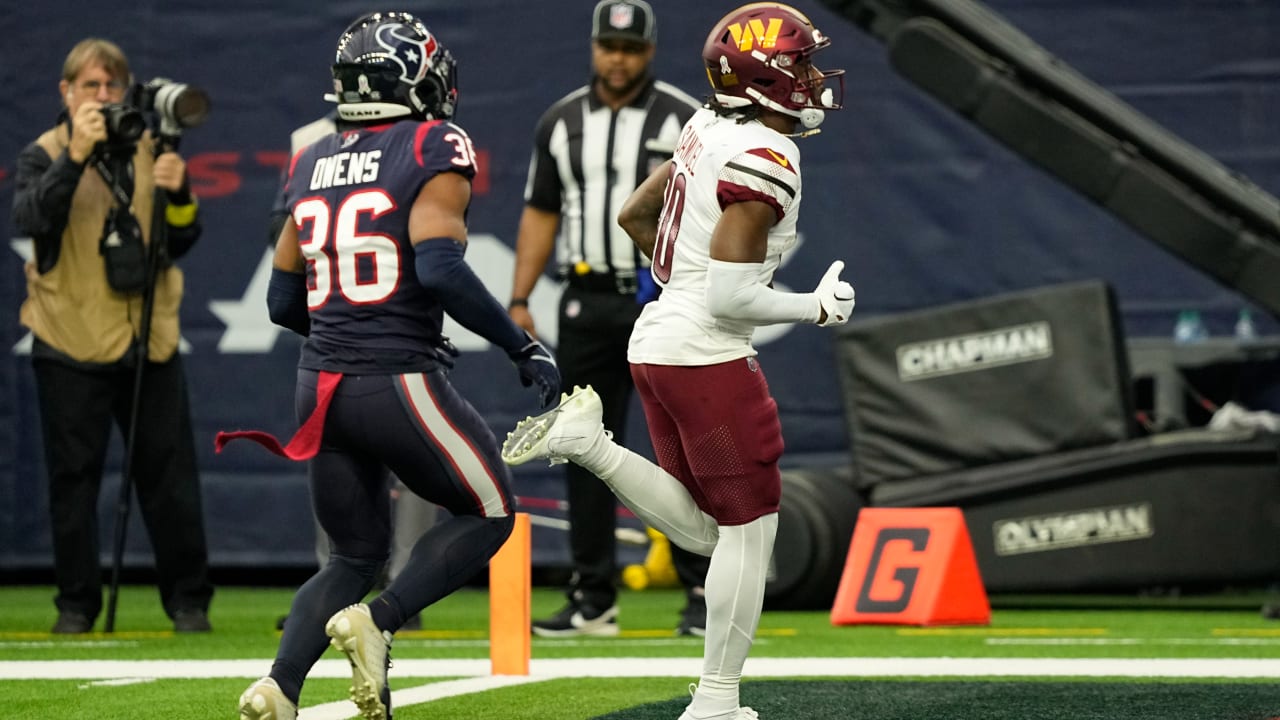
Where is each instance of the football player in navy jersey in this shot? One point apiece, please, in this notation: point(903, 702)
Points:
point(366, 270)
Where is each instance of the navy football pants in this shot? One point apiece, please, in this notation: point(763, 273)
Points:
point(417, 426)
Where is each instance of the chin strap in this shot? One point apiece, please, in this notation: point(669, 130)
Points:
point(812, 117)
point(809, 118)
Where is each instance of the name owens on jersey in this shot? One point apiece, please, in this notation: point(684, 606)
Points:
point(718, 162)
point(350, 195)
point(345, 169)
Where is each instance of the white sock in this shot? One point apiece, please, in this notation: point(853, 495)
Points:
point(735, 596)
point(652, 494)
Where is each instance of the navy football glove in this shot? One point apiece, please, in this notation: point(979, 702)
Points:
point(537, 366)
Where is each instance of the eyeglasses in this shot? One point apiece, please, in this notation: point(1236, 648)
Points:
point(93, 86)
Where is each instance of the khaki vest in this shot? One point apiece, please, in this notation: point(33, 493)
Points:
point(71, 307)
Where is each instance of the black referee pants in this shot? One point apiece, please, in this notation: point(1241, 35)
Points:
point(594, 330)
point(77, 408)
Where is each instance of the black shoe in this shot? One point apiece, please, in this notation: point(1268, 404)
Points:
point(693, 619)
point(577, 619)
point(72, 623)
point(280, 622)
point(413, 622)
point(191, 621)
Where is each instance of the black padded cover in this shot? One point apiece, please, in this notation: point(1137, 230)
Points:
point(985, 381)
point(1195, 508)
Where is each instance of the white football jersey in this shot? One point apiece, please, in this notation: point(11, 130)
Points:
point(717, 162)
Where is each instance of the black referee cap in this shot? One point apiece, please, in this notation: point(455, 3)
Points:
point(624, 20)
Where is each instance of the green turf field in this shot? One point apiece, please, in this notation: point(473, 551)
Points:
point(1071, 658)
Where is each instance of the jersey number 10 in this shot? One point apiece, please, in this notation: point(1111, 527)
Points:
point(664, 247)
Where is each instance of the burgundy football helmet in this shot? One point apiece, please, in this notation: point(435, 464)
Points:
point(762, 54)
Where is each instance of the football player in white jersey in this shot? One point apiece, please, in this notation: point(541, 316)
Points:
point(715, 220)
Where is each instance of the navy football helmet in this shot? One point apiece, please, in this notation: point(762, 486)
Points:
point(389, 65)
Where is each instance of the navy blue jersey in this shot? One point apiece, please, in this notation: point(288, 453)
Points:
point(350, 195)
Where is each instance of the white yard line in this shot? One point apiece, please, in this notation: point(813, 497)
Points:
point(423, 693)
point(475, 675)
point(1211, 642)
point(670, 667)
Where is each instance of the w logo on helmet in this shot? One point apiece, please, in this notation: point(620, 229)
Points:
point(767, 37)
point(405, 48)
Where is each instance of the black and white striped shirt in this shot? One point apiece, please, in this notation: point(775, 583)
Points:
point(587, 159)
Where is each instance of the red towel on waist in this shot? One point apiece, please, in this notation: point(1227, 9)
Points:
point(306, 442)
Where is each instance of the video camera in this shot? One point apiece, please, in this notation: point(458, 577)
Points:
point(174, 106)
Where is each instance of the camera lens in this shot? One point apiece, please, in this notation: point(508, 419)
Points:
point(124, 124)
point(185, 105)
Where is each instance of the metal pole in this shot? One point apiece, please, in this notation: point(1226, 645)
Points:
point(159, 235)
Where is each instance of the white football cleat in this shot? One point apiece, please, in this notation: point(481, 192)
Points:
point(739, 713)
point(368, 649)
point(559, 434)
point(264, 700)
point(742, 713)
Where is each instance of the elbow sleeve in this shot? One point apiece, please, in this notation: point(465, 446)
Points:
point(287, 301)
point(444, 272)
point(734, 292)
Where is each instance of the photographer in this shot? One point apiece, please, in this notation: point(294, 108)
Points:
point(85, 299)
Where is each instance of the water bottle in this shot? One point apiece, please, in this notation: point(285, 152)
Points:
point(1245, 329)
point(1189, 328)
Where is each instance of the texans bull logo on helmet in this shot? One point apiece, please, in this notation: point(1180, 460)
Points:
point(409, 48)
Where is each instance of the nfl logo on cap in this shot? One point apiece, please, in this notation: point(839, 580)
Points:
point(620, 15)
point(623, 20)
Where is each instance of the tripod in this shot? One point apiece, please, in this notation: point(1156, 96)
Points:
point(155, 251)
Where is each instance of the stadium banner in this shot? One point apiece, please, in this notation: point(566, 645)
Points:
point(925, 210)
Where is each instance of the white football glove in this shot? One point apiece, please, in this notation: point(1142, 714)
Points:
point(835, 296)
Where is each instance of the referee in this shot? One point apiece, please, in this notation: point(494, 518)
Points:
point(591, 149)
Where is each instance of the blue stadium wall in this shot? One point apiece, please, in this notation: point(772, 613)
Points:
point(924, 208)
